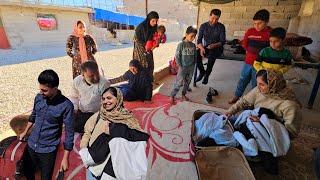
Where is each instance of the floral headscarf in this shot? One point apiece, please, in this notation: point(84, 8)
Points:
point(119, 114)
point(278, 88)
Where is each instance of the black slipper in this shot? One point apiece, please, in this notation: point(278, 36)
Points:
point(214, 92)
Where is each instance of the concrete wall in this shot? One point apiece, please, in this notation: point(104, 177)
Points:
point(175, 15)
point(22, 29)
point(237, 16)
point(308, 24)
point(179, 10)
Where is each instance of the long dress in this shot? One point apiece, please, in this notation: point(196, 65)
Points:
point(72, 48)
point(143, 33)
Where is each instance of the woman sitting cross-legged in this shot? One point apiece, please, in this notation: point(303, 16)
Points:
point(113, 144)
point(139, 85)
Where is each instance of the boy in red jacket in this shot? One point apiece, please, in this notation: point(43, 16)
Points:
point(255, 39)
point(158, 37)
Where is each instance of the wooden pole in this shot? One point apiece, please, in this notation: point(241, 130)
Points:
point(198, 14)
point(146, 7)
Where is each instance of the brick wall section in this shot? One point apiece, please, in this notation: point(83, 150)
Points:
point(237, 16)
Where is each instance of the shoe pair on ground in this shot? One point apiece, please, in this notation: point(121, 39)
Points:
point(212, 92)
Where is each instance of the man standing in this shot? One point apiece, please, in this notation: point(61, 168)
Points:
point(211, 38)
point(86, 93)
point(50, 111)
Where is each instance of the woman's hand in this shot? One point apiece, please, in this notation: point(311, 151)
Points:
point(254, 118)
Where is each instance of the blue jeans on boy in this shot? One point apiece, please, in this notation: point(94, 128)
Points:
point(248, 73)
point(128, 93)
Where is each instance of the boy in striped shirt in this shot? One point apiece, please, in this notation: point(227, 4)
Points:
point(275, 57)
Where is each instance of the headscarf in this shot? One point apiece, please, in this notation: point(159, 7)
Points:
point(278, 88)
point(146, 30)
point(119, 114)
point(82, 44)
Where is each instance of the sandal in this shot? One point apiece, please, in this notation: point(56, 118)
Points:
point(214, 92)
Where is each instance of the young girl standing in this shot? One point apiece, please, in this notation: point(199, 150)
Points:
point(186, 58)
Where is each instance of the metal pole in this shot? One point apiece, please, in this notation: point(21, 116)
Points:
point(315, 89)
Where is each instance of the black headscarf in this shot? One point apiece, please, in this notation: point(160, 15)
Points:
point(144, 31)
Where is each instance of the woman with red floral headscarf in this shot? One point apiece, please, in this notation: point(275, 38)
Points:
point(80, 47)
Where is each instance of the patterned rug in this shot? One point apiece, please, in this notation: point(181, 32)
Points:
point(170, 152)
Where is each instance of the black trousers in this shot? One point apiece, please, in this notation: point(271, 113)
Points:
point(80, 120)
point(44, 161)
point(212, 55)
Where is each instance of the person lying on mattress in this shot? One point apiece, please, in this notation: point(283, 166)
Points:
point(113, 144)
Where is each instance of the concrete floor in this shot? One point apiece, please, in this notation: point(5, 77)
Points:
point(225, 76)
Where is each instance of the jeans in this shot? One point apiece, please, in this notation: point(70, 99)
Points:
point(128, 93)
point(45, 161)
point(248, 73)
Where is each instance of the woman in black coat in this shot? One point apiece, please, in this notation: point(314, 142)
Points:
point(143, 33)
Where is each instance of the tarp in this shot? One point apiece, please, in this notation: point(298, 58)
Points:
point(101, 14)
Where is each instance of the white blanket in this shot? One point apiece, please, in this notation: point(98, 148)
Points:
point(269, 134)
point(129, 159)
